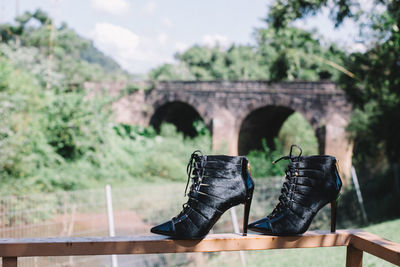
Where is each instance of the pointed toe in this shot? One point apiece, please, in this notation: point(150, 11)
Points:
point(166, 228)
point(263, 226)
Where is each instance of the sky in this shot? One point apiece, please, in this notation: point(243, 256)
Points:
point(143, 34)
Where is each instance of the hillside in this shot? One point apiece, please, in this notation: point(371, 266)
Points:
point(57, 55)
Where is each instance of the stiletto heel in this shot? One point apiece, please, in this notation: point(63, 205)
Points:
point(247, 205)
point(333, 215)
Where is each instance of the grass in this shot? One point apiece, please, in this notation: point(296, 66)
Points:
point(311, 256)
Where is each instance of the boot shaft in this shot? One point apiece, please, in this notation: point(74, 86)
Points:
point(321, 170)
point(226, 179)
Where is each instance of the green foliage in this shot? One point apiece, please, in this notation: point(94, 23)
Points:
point(244, 63)
point(375, 91)
point(171, 72)
point(58, 56)
point(92, 55)
point(295, 54)
point(261, 161)
point(201, 128)
point(72, 127)
point(281, 12)
point(304, 135)
point(44, 132)
point(153, 157)
point(53, 138)
point(61, 139)
point(289, 54)
point(215, 63)
point(203, 62)
point(372, 81)
point(23, 147)
point(132, 88)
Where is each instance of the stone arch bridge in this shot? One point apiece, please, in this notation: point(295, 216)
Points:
point(240, 113)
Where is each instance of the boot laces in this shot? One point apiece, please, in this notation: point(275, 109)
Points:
point(194, 170)
point(284, 198)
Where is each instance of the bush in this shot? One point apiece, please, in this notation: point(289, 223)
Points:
point(163, 155)
point(303, 135)
point(261, 161)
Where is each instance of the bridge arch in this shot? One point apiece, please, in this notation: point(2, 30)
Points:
point(181, 114)
point(264, 123)
point(285, 103)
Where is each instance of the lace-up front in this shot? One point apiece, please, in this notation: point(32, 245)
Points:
point(195, 170)
point(289, 186)
point(310, 183)
point(218, 183)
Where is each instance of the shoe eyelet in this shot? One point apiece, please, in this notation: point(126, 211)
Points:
point(181, 218)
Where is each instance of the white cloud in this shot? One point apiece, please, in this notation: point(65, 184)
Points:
point(215, 39)
point(181, 47)
point(357, 47)
point(133, 52)
point(167, 22)
point(149, 7)
point(162, 38)
point(114, 7)
point(371, 6)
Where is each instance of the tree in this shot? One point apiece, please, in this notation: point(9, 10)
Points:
point(295, 54)
point(290, 54)
point(374, 87)
point(282, 12)
point(73, 59)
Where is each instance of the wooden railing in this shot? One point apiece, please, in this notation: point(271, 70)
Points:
point(357, 241)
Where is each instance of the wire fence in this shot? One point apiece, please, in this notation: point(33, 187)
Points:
point(136, 210)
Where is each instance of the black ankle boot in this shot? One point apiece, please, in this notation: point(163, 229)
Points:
point(219, 183)
point(311, 183)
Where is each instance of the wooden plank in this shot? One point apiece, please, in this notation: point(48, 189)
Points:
point(353, 257)
point(10, 261)
point(376, 245)
point(158, 244)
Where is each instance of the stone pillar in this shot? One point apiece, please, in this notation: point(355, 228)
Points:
point(224, 132)
point(337, 144)
point(132, 109)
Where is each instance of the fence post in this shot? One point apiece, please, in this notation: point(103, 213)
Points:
point(111, 227)
point(237, 231)
point(353, 257)
point(358, 192)
point(396, 177)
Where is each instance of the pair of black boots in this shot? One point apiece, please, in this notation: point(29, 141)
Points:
point(221, 182)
